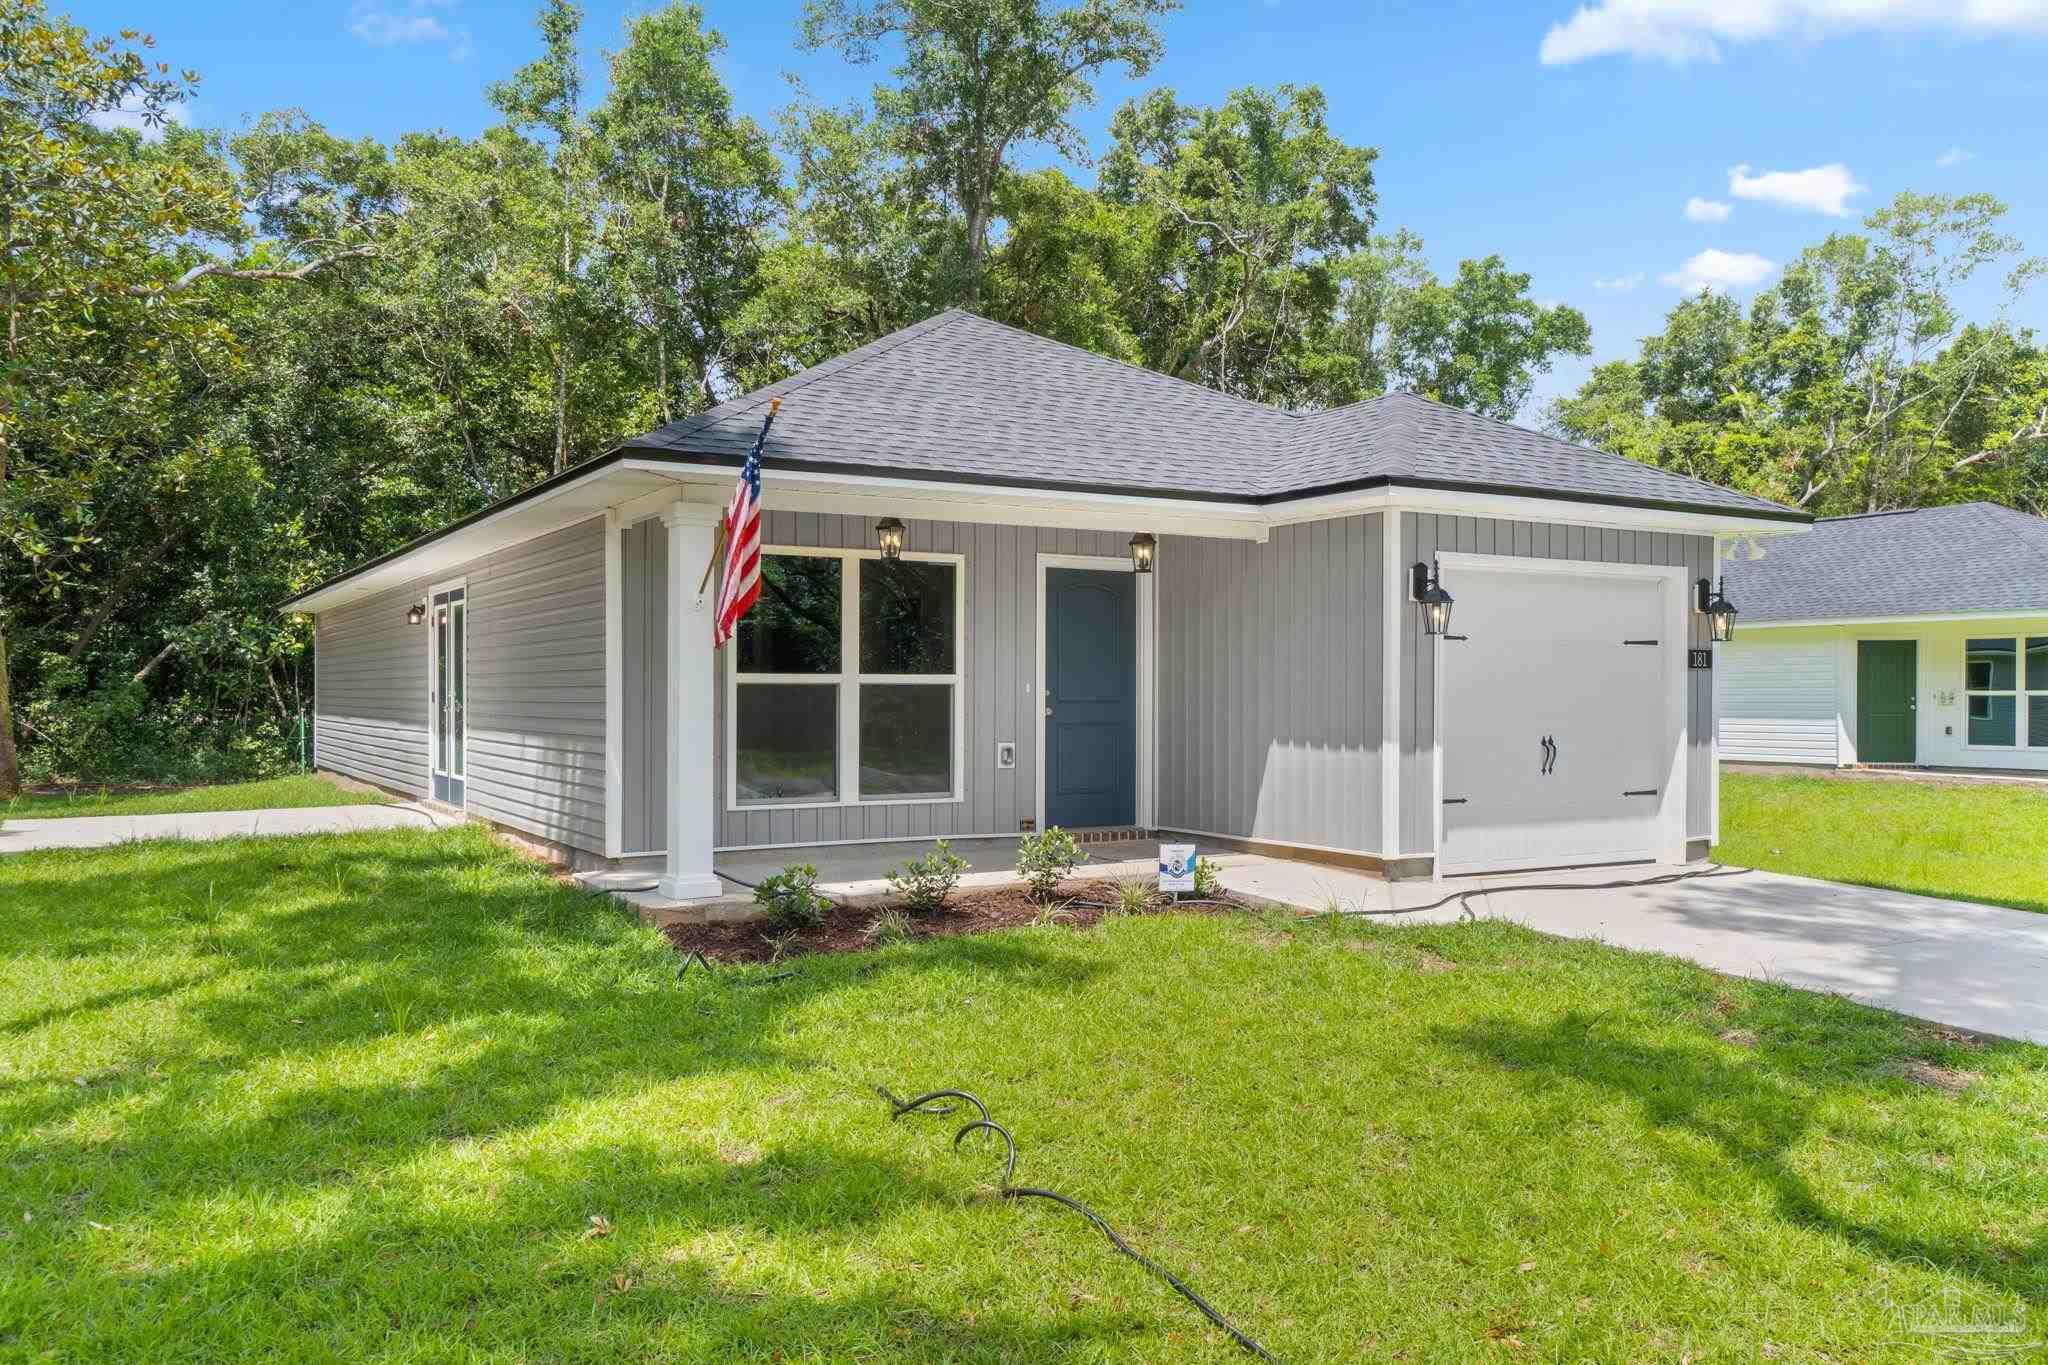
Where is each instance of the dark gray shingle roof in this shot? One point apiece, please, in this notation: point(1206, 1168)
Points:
point(966, 398)
point(1973, 556)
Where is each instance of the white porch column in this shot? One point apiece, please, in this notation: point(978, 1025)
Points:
point(690, 680)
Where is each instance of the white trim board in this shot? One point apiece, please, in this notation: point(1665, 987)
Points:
point(1144, 783)
point(459, 584)
point(1674, 795)
point(614, 684)
point(1987, 617)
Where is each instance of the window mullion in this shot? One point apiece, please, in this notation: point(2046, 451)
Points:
point(849, 676)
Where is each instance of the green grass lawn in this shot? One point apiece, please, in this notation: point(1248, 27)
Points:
point(360, 1098)
point(274, 793)
point(1978, 842)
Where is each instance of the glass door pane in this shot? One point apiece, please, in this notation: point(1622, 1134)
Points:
point(441, 726)
point(458, 688)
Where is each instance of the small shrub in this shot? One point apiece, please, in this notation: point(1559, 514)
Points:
point(924, 883)
point(1133, 897)
point(891, 926)
point(1207, 885)
point(1044, 859)
point(791, 898)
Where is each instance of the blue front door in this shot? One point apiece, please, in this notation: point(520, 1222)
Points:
point(1091, 698)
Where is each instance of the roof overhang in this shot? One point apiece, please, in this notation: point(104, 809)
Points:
point(636, 482)
point(1924, 619)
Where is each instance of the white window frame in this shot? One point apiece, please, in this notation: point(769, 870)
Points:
point(849, 680)
point(2017, 692)
point(461, 585)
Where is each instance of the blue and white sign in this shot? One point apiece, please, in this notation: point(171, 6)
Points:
point(1177, 867)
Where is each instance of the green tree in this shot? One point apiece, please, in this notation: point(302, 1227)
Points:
point(980, 78)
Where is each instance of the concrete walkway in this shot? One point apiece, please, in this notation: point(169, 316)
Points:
point(1973, 966)
point(102, 831)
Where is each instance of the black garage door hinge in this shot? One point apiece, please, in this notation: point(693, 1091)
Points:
point(1454, 800)
point(1649, 791)
point(1454, 637)
point(1642, 642)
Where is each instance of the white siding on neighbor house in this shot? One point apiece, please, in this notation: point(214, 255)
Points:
point(1780, 696)
point(1271, 684)
point(536, 687)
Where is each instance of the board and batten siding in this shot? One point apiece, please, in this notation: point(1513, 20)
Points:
point(643, 710)
point(535, 687)
point(370, 692)
point(1270, 684)
point(1423, 534)
point(1780, 698)
point(999, 637)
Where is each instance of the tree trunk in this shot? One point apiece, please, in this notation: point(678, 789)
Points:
point(562, 369)
point(117, 592)
point(10, 760)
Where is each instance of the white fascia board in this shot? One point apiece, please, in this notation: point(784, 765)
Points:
point(1448, 502)
point(799, 490)
point(573, 501)
point(1988, 617)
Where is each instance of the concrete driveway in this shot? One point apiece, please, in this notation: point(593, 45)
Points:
point(101, 831)
point(1973, 966)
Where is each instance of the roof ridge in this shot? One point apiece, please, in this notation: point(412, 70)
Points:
point(1985, 503)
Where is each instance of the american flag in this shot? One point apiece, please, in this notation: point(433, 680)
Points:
point(740, 586)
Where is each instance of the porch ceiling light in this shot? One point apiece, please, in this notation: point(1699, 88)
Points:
point(416, 614)
point(1427, 590)
point(1143, 547)
point(1718, 610)
point(890, 532)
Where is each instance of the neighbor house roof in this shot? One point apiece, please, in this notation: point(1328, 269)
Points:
point(960, 397)
point(1972, 557)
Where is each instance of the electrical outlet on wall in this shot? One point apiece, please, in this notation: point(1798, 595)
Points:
point(1006, 753)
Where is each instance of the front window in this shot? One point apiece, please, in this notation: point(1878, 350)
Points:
point(2037, 691)
point(1991, 687)
point(846, 681)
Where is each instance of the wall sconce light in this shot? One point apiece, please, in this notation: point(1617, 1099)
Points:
point(1427, 590)
point(416, 614)
point(1143, 547)
point(1718, 610)
point(890, 532)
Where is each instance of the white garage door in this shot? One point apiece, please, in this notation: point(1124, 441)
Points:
point(1556, 721)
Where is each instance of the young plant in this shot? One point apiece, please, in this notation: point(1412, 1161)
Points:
point(791, 898)
point(924, 883)
point(1133, 897)
point(1046, 858)
point(1208, 886)
point(889, 927)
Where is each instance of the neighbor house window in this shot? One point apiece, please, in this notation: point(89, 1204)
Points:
point(1991, 686)
point(846, 683)
point(2037, 691)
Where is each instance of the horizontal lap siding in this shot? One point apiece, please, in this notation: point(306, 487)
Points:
point(1270, 684)
point(536, 686)
point(370, 692)
point(1779, 700)
point(1424, 534)
point(1000, 665)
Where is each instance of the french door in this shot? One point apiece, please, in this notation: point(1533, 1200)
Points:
point(447, 690)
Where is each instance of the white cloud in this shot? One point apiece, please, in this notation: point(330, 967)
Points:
point(129, 115)
point(1954, 156)
point(1706, 210)
point(410, 22)
point(1680, 31)
point(1620, 282)
point(1822, 189)
point(1717, 269)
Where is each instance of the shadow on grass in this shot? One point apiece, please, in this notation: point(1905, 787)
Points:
point(1752, 1112)
point(270, 1023)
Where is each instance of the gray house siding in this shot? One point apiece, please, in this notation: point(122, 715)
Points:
point(643, 709)
point(1270, 684)
point(370, 692)
point(1423, 534)
point(1000, 666)
point(535, 687)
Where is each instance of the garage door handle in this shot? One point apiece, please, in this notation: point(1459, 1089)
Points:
point(1642, 642)
point(1648, 791)
point(1454, 800)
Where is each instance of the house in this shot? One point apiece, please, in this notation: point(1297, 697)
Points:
point(1123, 601)
point(1917, 638)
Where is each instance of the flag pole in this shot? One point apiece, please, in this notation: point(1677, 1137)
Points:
point(724, 529)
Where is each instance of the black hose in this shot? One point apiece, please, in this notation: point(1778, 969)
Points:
point(697, 959)
point(923, 1104)
point(1664, 879)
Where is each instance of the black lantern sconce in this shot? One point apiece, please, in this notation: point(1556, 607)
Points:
point(416, 614)
point(1143, 547)
point(1427, 590)
point(1718, 610)
point(889, 532)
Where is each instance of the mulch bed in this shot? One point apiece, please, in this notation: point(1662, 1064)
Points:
point(978, 911)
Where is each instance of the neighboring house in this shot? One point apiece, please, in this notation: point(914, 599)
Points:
point(1895, 638)
point(1270, 679)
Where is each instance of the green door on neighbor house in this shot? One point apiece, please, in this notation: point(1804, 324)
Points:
point(1886, 679)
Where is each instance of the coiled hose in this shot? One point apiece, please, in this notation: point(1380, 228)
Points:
point(1465, 896)
point(926, 1104)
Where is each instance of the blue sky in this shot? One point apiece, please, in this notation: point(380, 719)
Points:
point(1568, 135)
